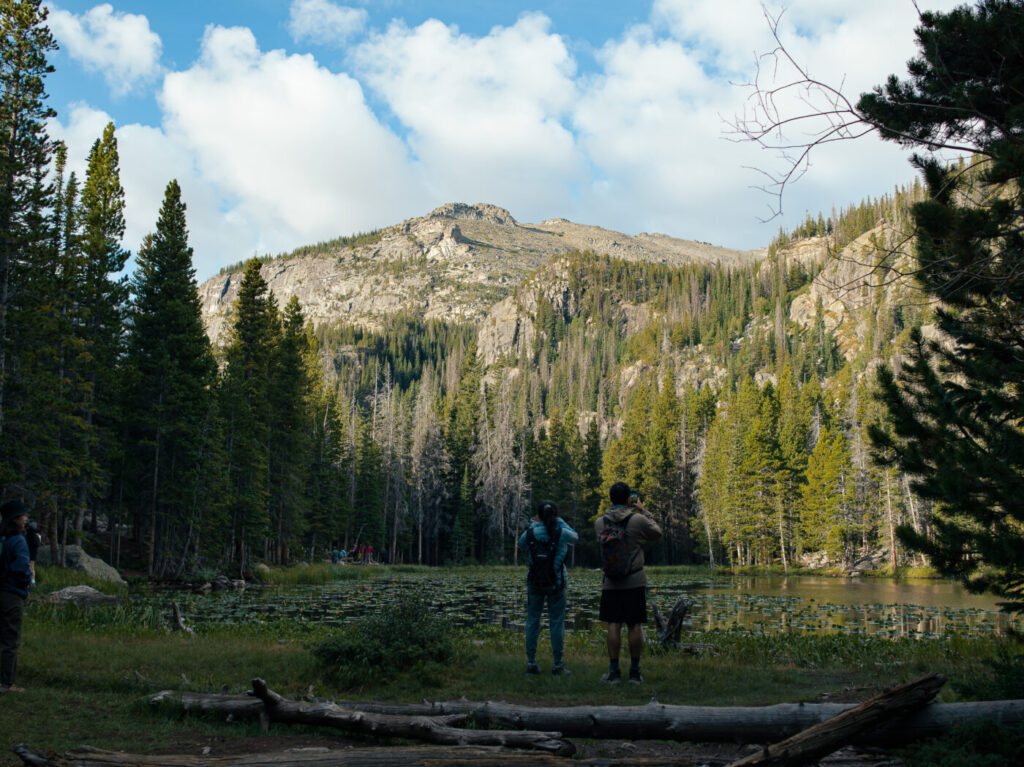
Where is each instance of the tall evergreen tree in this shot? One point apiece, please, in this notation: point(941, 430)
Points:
point(956, 408)
point(288, 391)
point(167, 394)
point(102, 297)
point(245, 406)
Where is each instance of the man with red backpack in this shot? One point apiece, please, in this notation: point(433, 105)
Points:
point(622, 532)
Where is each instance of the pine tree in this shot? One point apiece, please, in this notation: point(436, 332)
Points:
point(103, 296)
point(25, 151)
point(245, 407)
point(956, 408)
point(826, 498)
point(167, 394)
point(288, 389)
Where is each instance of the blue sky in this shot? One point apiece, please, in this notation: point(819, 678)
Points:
point(292, 121)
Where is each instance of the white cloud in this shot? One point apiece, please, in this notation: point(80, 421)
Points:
point(292, 146)
point(121, 46)
point(485, 115)
point(324, 22)
point(651, 120)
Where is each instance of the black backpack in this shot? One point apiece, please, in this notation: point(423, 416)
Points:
point(615, 557)
point(542, 576)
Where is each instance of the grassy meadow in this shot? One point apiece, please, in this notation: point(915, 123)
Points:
point(89, 672)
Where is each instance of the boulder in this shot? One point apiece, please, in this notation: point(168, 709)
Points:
point(872, 560)
point(815, 560)
point(76, 559)
point(80, 595)
point(222, 583)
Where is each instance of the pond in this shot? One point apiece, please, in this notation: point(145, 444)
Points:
point(920, 608)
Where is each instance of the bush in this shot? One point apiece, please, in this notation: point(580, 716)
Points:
point(396, 638)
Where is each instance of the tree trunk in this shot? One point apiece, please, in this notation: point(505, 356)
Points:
point(415, 756)
point(429, 728)
point(824, 738)
point(700, 724)
point(668, 631)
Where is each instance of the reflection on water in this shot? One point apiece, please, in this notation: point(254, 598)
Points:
point(756, 604)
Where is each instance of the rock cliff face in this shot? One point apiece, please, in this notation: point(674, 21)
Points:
point(458, 262)
point(852, 288)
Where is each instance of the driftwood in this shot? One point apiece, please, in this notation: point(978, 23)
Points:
point(432, 729)
point(700, 724)
point(825, 737)
point(669, 630)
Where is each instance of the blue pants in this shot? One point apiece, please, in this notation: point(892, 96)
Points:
point(556, 623)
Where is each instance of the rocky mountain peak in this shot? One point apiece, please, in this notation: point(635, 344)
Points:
point(481, 211)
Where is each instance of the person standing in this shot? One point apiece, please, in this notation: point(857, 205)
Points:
point(15, 581)
point(622, 531)
point(546, 542)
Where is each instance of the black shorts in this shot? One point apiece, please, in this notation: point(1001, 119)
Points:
point(627, 606)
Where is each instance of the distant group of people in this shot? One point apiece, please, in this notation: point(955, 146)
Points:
point(622, 531)
point(361, 553)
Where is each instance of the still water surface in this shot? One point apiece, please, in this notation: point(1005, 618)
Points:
point(919, 608)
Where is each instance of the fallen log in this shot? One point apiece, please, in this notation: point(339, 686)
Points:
point(669, 630)
point(700, 724)
point(354, 757)
point(432, 729)
point(417, 756)
point(824, 738)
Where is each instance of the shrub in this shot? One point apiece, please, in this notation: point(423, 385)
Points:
point(396, 638)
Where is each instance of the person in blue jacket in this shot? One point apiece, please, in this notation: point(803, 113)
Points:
point(546, 526)
point(15, 581)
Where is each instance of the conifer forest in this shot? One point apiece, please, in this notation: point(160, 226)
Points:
point(128, 430)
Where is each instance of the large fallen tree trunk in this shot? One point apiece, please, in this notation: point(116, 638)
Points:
point(423, 756)
point(432, 729)
point(355, 757)
point(701, 724)
point(824, 738)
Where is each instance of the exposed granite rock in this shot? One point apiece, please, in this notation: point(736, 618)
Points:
point(80, 595)
point(76, 559)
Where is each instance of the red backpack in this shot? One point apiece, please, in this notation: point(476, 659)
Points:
point(615, 557)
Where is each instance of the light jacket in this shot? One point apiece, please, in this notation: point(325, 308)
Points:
point(641, 528)
point(566, 538)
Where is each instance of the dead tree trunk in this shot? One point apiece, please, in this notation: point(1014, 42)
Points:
point(422, 756)
point(668, 631)
point(824, 738)
point(433, 729)
point(700, 724)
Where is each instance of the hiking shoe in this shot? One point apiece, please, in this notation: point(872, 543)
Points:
point(560, 670)
point(635, 677)
point(532, 669)
point(611, 677)
point(11, 688)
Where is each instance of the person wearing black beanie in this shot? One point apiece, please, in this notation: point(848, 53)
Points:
point(15, 581)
